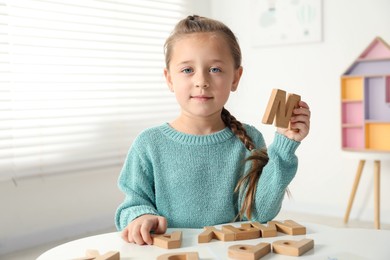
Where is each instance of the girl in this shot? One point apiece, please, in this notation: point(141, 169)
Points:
point(205, 168)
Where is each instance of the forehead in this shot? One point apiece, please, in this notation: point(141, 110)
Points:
point(206, 43)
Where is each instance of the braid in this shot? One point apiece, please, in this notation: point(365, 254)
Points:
point(237, 128)
point(259, 159)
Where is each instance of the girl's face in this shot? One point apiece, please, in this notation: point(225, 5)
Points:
point(202, 74)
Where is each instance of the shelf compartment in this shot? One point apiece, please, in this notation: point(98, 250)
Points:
point(352, 137)
point(352, 88)
point(376, 107)
point(352, 113)
point(378, 136)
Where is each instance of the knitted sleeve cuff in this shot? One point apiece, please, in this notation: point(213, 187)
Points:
point(283, 146)
point(125, 216)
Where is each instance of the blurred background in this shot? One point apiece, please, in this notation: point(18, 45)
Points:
point(80, 79)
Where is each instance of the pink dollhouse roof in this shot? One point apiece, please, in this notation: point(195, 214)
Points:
point(375, 56)
point(378, 49)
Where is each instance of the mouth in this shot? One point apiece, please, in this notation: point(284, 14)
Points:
point(201, 97)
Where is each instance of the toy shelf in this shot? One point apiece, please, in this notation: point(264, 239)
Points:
point(365, 100)
point(365, 120)
point(365, 111)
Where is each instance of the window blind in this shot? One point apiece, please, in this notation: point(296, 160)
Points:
point(79, 80)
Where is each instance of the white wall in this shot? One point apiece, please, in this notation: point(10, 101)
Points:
point(326, 174)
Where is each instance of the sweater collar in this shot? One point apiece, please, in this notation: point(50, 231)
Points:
point(214, 138)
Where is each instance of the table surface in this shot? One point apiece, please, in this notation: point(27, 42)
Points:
point(329, 244)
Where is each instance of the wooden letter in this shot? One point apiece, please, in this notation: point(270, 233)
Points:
point(278, 108)
point(249, 252)
point(289, 227)
point(265, 231)
point(291, 247)
point(179, 256)
point(212, 232)
point(168, 241)
point(244, 232)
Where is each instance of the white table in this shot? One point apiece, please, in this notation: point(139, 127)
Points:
point(329, 244)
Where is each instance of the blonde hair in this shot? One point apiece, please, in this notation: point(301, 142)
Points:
point(258, 158)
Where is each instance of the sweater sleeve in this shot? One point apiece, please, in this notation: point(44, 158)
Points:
point(275, 177)
point(136, 182)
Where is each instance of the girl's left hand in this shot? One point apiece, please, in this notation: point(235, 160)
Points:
point(299, 123)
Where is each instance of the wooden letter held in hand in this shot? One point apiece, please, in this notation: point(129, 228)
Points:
point(280, 110)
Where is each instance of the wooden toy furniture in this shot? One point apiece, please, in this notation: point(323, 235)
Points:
point(179, 256)
point(168, 241)
point(249, 252)
point(278, 109)
point(365, 111)
point(292, 247)
point(365, 100)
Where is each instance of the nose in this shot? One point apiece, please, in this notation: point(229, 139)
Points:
point(202, 85)
point(201, 81)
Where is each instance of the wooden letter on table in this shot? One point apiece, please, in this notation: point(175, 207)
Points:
point(210, 233)
point(180, 256)
point(278, 108)
point(243, 233)
point(291, 247)
point(249, 252)
point(289, 227)
point(265, 231)
point(168, 241)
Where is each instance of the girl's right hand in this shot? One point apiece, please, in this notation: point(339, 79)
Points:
point(138, 231)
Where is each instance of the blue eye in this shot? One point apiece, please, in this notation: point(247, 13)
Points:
point(215, 70)
point(187, 70)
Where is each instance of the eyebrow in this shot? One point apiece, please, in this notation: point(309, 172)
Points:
point(190, 61)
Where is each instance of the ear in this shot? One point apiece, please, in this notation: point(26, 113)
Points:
point(168, 79)
point(236, 79)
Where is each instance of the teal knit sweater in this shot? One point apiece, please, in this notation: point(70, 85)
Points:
point(190, 179)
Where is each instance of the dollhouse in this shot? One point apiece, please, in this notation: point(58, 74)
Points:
point(365, 112)
point(365, 100)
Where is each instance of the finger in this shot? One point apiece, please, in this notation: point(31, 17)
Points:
point(303, 104)
point(124, 235)
point(161, 227)
point(300, 118)
point(301, 111)
point(145, 229)
point(136, 235)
